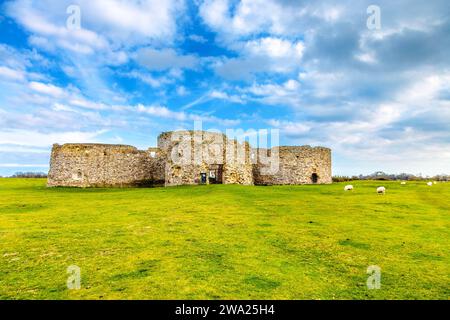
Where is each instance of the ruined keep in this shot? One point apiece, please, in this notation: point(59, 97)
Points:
point(187, 158)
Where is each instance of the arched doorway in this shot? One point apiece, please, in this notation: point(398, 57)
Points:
point(314, 178)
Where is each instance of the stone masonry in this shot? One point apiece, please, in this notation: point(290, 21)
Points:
point(187, 158)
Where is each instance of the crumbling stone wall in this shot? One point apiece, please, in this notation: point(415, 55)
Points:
point(185, 158)
point(100, 165)
point(297, 165)
point(189, 154)
point(238, 163)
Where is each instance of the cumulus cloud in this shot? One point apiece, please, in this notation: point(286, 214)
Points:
point(285, 94)
point(119, 22)
point(264, 55)
point(247, 18)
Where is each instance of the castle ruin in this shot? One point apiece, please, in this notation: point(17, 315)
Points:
point(187, 158)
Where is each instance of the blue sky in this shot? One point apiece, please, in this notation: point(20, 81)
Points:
point(312, 69)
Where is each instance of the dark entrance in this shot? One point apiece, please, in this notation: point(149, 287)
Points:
point(203, 178)
point(314, 178)
point(215, 174)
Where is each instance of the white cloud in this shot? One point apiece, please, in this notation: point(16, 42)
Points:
point(249, 17)
point(197, 38)
point(274, 48)
point(182, 91)
point(159, 60)
point(164, 112)
point(154, 82)
point(39, 21)
point(290, 128)
point(286, 94)
point(119, 22)
point(225, 96)
point(366, 57)
point(137, 20)
point(215, 94)
point(41, 139)
point(215, 13)
point(263, 55)
point(22, 149)
point(12, 74)
point(15, 64)
point(425, 89)
point(326, 84)
point(62, 107)
point(47, 89)
point(84, 103)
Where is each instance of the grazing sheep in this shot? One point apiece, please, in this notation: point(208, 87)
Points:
point(429, 184)
point(381, 190)
point(403, 182)
point(348, 188)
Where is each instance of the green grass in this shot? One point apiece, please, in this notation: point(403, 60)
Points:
point(225, 242)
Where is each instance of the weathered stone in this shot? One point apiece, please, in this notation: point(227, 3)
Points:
point(100, 165)
point(191, 154)
point(297, 165)
point(184, 158)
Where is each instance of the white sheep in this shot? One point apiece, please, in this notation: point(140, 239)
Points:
point(429, 184)
point(403, 183)
point(381, 190)
point(348, 188)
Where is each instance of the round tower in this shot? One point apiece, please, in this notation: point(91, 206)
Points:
point(296, 165)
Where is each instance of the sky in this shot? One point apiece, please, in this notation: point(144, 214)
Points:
point(317, 71)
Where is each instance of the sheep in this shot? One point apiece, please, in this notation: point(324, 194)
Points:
point(429, 184)
point(348, 188)
point(403, 183)
point(381, 190)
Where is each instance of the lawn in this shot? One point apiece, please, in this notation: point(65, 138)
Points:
point(225, 241)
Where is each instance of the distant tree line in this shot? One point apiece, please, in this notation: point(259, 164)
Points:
point(391, 177)
point(29, 175)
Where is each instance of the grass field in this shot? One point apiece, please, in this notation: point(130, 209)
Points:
point(225, 242)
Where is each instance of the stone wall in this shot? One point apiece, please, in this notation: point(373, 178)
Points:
point(297, 165)
point(185, 158)
point(189, 154)
point(99, 165)
point(238, 167)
